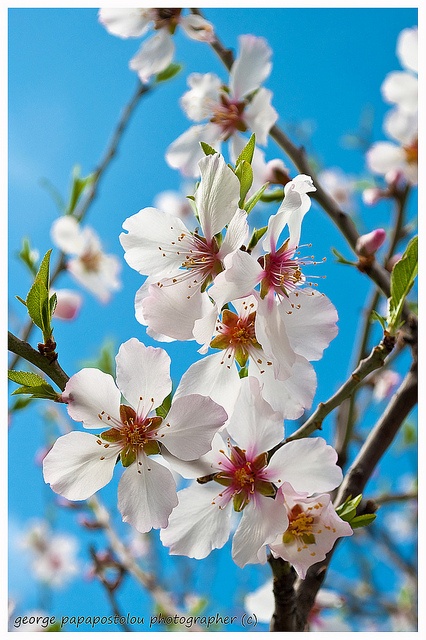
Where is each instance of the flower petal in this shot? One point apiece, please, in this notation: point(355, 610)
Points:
point(401, 126)
point(77, 465)
point(125, 23)
point(152, 241)
point(100, 281)
point(401, 88)
point(309, 465)
point(199, 101)
point(154, 56)
point(212, 377)
point(407, 48)
point(191, 424)
point(143, 375)
point(185, 152)
point(90, 393)
point(217, 196)
point(197, 525)
point(197, 28)
point(242, 273)
point(66, 234)
point(271, 333)
point(312, 326)
point(251, 67)
point(260, 115)
point(146, 494)
point(385, 156)
point(254, 425)
point(263, 518)
point(204, 466)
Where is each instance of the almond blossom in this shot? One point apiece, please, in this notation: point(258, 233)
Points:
point(157, 52)
point(241, 106)
point(249, 484)
point(79, 464)
point(94, 270)
point(180, 264)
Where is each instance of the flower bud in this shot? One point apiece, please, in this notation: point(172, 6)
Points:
point(371, 196)
point(68, 304)
point(368, 244)
point(276, 172)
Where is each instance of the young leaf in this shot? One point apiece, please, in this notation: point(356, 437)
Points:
point(255, 237)
point(244, 173)
point(252, 202)
point(78, 185)
point(43, 271)
point(208, 150)
point(248, 151)
point(169, 72)
point(41, 391)
point(273, 196)
point(377, 316)
point(36, 300)
point(341, 258)
point(28, 256)
point(402, 279)
point(362, 521)
point(26, 378)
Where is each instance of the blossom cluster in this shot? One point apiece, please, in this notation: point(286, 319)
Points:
point(246, 294)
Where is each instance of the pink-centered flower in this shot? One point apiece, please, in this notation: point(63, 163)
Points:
point(248, 483)
point(157, 52)
point(94, 270)
point(181, 264)
point(229, 111)
point(79, 464)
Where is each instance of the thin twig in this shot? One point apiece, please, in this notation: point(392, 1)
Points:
point(26, 351)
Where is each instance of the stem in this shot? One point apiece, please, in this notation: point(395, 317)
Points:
point(284, 595)
point(26, 351)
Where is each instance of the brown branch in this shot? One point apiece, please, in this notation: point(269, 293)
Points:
point(284, 575)
point(26, 351)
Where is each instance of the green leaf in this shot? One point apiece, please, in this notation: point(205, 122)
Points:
point(251, 202)
point(244, 173)
point(402, 279)
point(78, 186)
point(105, 360)
point(347, 510)
point(342, 259)
point(164, 409)
point(169, 72)
point(43, 271)
point(362, 521)
point(21, 300)
point(26, 378)
point(273, 196)
point(42, 391)
point(247, 153)
point(376, 316)
point(208, 150)
point(27, 255)
point(52, 304)
point(19, 404)
point(256, 236)
point(36, 301)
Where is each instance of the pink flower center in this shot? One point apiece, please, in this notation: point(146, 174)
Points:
point(228, 115)
point(133, 433)
point(236, 335)
point(282, 271)
point(167, 18)
point(301, 526)
point(91, 260)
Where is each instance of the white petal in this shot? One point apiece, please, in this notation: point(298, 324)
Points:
point(401, 126)
point(197, 526)
point(154, 56)
point(77, 465)
point(311, 327)
point(261, 602)
point(272, 335)
point(242, 273)
point(251, 67)
point(102, 280)
point(197, 28)
point(173, 309)
point(89, 393)
point(125, 23)
point(407, 48)
point(263, 519)
point(204, 328)
point(254, 425)
point(191, 424)
point(385, 156)
point(217, 196)
point(309, 465)
point(143, 375)
point(236, 234)
point(185, 152)
point(146, 494)
point(199, 102)
point(151, 242)
point(260, 115)
point(291, 396)
point(66, 234)
point(402, 89)
point(204, 466)
point(212, 377)
point(295, 205)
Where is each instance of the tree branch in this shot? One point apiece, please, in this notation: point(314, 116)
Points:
point(24, 350)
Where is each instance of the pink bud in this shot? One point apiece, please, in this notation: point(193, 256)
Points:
point(385, 384)
point(276, 172)
point(371, 196)
point(368, 244)
point(392, 262)
point(68, 304)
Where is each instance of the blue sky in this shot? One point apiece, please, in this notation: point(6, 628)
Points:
point(68, 81)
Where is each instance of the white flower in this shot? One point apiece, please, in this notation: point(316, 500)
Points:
point(340, 186)
point(157, 52)
point(92, 268)
point(243, 105)
point(385, 383)
point(180, 264)
point(53, 555)
point(400, 87)
point(202, 520)
point(174, 203)
point(79, 464)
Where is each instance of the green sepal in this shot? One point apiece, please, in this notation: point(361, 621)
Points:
point(208, 150)
point(164, 408)
point(403, 275)
point(376, 316)
point(169, 72)
point(243, 373)
point(151, 448)
point(363, 520)
point(252, 202)
point(277, 195)
point(225, 481)
point(112, 435)
point(247, 153)
point(288, 537)
point(241, 356)
point(239, 501)
point(260, 461)
point(255, 237)
point(308, 538)
point(127, 456)
point(244, 173)
point(341, 259)
point(347, 510)
point(265, 488)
